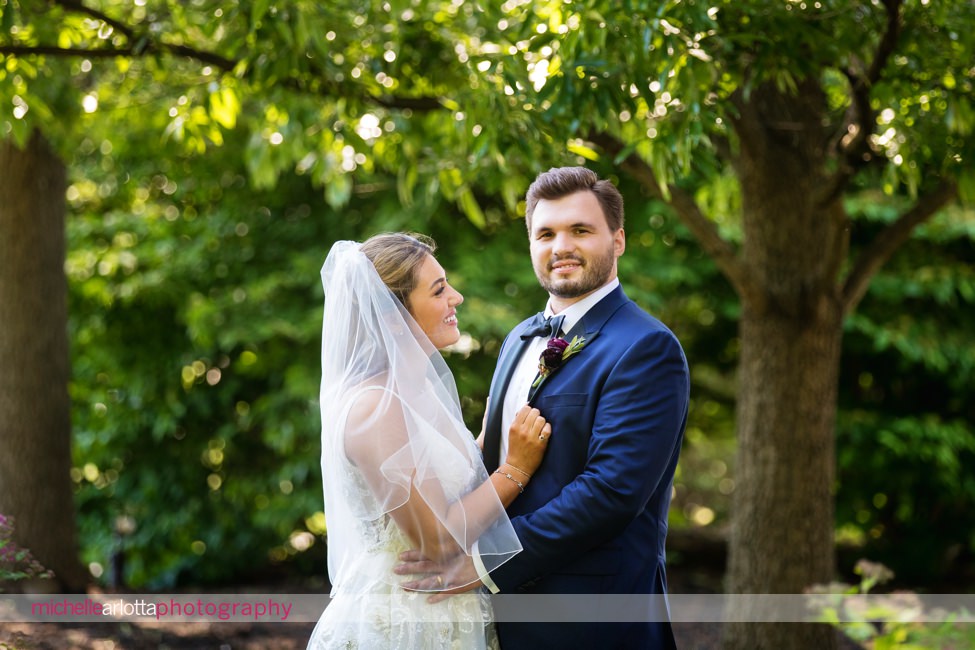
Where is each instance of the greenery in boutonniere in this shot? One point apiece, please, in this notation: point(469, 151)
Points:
point(555, 354)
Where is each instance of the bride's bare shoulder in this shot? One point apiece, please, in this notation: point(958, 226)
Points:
point(372, 398)
point(375, 424)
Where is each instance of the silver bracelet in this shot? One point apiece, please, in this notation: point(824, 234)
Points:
point(519, 470)
point(521, 486)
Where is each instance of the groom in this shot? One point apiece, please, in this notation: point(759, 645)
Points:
point(593, 518)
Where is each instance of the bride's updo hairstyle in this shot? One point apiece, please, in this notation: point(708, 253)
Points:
point(397, 258)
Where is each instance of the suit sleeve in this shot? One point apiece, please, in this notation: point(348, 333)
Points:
point(637, 428)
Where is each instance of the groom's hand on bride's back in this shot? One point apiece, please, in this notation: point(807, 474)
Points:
point(413, 561)
point(454, 576)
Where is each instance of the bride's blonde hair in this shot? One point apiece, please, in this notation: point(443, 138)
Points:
point(397, 257)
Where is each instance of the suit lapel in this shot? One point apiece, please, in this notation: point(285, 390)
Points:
point(499, 386)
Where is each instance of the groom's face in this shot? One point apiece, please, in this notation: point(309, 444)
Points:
point(573, 250)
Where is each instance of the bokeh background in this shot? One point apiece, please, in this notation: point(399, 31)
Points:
point(211, 153)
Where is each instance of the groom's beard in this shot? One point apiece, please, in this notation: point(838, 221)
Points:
point(594, 273)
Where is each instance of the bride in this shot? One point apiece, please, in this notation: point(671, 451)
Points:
point(400, 468)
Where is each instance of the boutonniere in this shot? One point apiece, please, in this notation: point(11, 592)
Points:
point(555, 354)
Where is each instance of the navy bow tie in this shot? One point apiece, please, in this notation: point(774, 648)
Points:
point(541, 326)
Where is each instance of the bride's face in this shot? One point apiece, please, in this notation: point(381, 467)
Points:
point(433, 304)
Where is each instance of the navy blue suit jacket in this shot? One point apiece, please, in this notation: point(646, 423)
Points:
point(593, 518)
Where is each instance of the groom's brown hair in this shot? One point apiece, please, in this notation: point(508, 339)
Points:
point(563, 181)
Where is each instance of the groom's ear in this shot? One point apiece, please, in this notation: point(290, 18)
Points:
point(619, 242)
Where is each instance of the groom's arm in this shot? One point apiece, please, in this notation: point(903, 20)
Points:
point(635, 435)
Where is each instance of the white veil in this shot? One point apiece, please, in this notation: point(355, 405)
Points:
point(392, 429)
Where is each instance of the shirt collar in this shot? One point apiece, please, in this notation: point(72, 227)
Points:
point(574, 312)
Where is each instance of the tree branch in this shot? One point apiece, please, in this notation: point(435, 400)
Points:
point(882, 248)
point(77, 6)
point(853, 145)
point(142, 44)
point(723, 253)
point(46, 50)
point(139, 43)
point(888, 42)
point(202, 56)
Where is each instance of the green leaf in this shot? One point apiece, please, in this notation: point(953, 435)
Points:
point(471, 207)
point(224, 107)
point(258, 11)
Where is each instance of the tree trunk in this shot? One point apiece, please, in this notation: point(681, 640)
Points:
point(35, 427)
point(782, 511)
point(782, 529)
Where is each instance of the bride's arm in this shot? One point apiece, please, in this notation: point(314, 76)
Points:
point(377, 438)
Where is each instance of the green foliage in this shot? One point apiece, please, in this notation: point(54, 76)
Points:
point(217, 157)
point(192, 320)
point(16, 563)
point(898, 620)
point(419, 91)
point(906, 428)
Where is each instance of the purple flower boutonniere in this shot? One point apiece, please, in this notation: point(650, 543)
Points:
point(555, 354)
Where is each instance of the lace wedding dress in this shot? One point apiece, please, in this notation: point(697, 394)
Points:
point(370, 611)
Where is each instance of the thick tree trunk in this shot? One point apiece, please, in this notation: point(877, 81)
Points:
point(782, 531)
point(35, 427)
point(782, 516)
